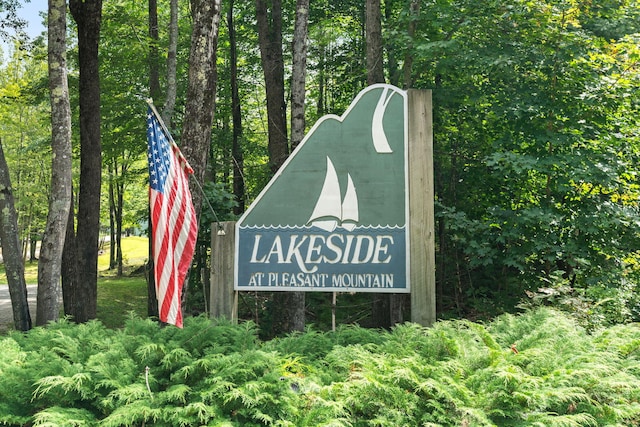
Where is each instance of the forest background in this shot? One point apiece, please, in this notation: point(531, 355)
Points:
point(536, 136)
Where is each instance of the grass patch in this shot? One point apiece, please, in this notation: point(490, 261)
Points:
point(135, 253)
point(30, 273)
point(118, 297)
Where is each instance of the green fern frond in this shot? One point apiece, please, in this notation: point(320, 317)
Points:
point(9, 419)
point(554, 420)
point(68, 417)
point(150, 352)
point(202, 412)
point(73, 383)
point(126, 395)
point(113, 369)
point(621, 339)
point(319, 411)
point(134, 414)
point(177, 393)
point(346, 335)
point(185, 372)
point(176, 357)
point(12, 354)
point(66, 347)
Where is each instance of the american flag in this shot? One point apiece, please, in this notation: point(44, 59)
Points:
point(174, 227)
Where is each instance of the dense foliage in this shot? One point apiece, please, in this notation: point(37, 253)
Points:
point(536, 140)
point(539, 368)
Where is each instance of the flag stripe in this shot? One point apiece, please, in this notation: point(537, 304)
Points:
point(174, 225)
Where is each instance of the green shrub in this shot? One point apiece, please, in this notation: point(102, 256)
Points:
point(540, 368)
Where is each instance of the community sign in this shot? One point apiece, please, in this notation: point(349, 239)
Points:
point(335, 215)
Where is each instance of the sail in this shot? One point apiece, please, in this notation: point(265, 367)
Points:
point(380, 141)
point(328, 210)
point(350, 214)
point(331, 212)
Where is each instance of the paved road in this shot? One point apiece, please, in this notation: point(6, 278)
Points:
point(6, 315)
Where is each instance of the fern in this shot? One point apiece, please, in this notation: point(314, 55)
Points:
point(555, 420)
point(215, 373)
point(67, 384)
point(9, 419)
point(176, 358)
point(133, 414)
point(150, 353)
point(177, 394)
point(69, 417)
point(125, 396)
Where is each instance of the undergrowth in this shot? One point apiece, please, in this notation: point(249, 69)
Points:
point(539, 368)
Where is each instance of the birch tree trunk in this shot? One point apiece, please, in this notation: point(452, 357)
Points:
point(294, 302)
point(50, 261)
point(12, 250)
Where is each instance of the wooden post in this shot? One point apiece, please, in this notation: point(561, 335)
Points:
point(421, 213)
point(222, 300)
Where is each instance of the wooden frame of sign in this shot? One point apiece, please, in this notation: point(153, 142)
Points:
point(223, 297)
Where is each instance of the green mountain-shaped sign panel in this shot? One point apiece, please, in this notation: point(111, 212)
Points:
point(335, 216)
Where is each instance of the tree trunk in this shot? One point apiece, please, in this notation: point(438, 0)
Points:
point(87, 15)
point(236, 148)
point(393, 68)
point(154, 61)
point(373, 39)
point(50, 259)
point(293, 303)
point(201, 94)
point(299, 72)
point(119, 206)
point(270, 38)
point(71, 299)
point(152, 297)
point(172, 61)
point(112, 218)
point(167, 115)
point(32, 238)
point(414, 10)
point(386, 307)
point(154, 90)
point(269, 18)
point(11, 250)
point(201, 90)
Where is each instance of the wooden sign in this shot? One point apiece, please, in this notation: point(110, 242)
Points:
point(336, 215)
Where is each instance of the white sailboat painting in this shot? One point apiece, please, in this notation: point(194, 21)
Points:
point(331, 211)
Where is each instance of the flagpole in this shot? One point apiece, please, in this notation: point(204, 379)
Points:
point(164, 128)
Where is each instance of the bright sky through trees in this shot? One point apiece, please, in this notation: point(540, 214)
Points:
point(30, 12)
